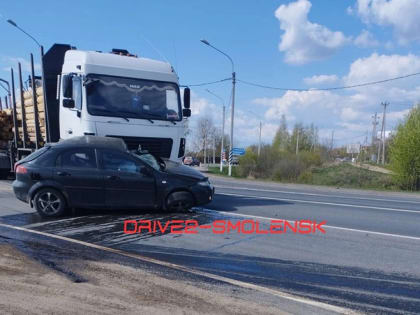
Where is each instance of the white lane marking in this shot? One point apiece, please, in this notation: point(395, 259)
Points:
point(323, 203)
point(318, 195)
point(327, 226)
point(238, 283)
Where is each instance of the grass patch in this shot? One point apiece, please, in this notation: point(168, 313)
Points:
point(349, 176)
point(341, 175)
point(216, 171)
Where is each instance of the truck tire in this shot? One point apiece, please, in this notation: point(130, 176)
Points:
point(179, 201)
point(49, 203)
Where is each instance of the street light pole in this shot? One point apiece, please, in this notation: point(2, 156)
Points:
point(47, 124)
point(223, 130)
point(11, 22)
point(233, 100)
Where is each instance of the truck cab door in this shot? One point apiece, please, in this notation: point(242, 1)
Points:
point(71, 118)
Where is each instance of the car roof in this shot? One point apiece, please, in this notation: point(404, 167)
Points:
point(93, 142)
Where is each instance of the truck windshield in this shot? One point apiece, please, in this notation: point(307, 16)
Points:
point(132, 98)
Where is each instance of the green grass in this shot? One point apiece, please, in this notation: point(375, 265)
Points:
point(348, 176)
point(216, 171)
point(342, 175)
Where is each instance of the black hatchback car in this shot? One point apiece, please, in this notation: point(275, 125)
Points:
point(99, 172)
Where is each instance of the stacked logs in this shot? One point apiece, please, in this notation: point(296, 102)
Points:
point(30, 115)
point(6, 127)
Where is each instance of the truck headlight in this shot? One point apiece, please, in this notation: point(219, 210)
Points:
point(205, 183)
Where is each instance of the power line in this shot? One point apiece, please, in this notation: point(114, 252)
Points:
point(206, 83)
point(329, 88)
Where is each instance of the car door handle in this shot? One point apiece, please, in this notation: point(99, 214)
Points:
point(63, 174)
point(69, 131)
point(112, 177)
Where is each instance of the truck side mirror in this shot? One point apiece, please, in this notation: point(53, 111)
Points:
point(187, 98)
point(186, 112)
point(68, 103)
point(68, 86)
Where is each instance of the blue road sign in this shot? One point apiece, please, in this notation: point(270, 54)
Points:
point(238, 151)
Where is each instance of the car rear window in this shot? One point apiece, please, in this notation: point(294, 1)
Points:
point(35, 154)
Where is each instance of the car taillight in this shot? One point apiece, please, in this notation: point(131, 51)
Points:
point(20, 169)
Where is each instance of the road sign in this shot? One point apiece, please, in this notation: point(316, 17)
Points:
point(238, 151)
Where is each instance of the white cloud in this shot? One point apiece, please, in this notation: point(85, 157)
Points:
point(402, 15)
point(321, 79)
point(302, 40)
point(13, 62)
point(365, 40)
point(350, 112)
point(379, 67)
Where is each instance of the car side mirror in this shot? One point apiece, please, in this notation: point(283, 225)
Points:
point(68, 86)
point(68, 103)
point(186, 112)
point(187, 97)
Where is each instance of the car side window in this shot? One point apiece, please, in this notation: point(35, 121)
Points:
point(77, 158)
point(114, 161)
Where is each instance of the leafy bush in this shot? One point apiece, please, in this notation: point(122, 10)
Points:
point(405, 152)
point(247, 163)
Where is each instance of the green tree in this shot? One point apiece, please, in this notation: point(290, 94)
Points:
point(282, 137)
point(405, 151)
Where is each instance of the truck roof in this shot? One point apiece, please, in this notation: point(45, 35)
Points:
point(117, 65)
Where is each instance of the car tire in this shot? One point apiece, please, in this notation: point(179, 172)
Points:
point(179, 201)
point(49, 203)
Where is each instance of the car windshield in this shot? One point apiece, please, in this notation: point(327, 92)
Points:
point(132, 98)
point(150, 160)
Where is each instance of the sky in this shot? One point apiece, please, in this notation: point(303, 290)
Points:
point(301, 44)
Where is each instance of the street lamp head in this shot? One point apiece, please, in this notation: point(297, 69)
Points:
point(205, 42)
point(12, 23)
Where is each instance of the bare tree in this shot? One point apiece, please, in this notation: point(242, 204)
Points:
point(205, 130)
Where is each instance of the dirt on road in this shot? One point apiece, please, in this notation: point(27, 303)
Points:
point(26, 286)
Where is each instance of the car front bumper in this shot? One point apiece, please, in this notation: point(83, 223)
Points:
point(203, 194)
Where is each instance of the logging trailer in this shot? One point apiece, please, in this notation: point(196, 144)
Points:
point(114, 94)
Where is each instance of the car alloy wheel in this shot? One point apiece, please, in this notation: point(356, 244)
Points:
point(49, 203)
point(179, 201)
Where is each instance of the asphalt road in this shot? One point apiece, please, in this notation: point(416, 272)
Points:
point(367, 260)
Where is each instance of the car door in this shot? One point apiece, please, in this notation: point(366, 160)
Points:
point(77, 171)
point(126, 185)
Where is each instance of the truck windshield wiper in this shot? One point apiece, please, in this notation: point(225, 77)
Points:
point(159, 116)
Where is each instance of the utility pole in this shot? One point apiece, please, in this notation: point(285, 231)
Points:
point(214, 149)
point(222, 146)
point(231, 118)
point(374, 124)
point(259, 143)
point(332, 140)
point(384, 104)
point(297, 141)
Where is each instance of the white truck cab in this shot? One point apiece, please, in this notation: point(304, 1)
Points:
point(120, 95)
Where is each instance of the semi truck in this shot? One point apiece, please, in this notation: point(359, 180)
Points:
point(115, 94)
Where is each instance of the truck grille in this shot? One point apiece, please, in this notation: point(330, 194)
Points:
point(161, 147)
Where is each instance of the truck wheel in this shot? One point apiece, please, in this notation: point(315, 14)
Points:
point(49, 203)
point(179, 201)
